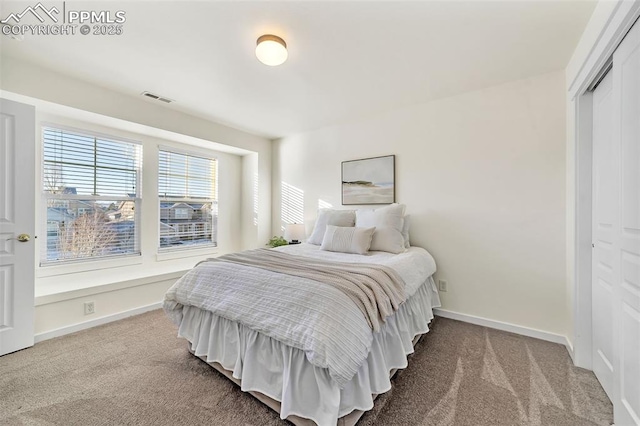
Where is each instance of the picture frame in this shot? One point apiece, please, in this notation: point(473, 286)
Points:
point(369, 181)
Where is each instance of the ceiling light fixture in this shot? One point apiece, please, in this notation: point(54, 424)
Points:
point(271, 50)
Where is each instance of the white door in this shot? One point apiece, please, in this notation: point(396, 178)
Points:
point(605, 224)
point(626, 83)
point(17, 216)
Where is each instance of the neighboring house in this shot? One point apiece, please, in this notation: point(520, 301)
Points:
point(126, 210)
point(60, 211)
point(74, 208)
point(78, 207)
point(56, 218)
point(177, 211)
point(184, 223)
point(64, 212)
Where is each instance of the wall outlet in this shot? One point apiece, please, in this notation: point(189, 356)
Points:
point(442, 285)
point(89, 308)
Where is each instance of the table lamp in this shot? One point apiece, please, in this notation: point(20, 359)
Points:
point(294, 233)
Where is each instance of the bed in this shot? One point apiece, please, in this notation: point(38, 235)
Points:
point(303, 380)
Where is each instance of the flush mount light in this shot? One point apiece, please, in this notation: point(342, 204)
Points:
point(271, 50)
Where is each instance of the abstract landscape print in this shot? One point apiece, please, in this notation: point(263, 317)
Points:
point(369, 181)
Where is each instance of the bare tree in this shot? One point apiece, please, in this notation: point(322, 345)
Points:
point(52, 181)
point(86, 236)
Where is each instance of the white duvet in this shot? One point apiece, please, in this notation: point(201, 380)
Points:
point(414, 266)
point(301, 313)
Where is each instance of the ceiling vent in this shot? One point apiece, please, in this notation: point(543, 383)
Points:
point(157, 97)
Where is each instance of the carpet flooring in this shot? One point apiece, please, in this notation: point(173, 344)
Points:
point(137, 372)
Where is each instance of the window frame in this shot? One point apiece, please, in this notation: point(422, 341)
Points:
point(94, 262)
point(186, 250)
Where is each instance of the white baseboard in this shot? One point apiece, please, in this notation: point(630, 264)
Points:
point(472, 319)
point(505, 326)
point(569, 347)
point(95, 322)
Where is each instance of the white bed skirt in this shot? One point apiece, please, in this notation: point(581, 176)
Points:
point(283, 373)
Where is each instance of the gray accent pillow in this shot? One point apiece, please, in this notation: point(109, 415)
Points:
point(330, 217)
point(347, 239)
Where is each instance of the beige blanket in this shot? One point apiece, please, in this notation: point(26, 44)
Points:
point(376, 290)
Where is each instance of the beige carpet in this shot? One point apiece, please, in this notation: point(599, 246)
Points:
point(136, 372)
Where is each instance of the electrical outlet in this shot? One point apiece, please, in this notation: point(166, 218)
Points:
point(442, 285)
point(89, 308)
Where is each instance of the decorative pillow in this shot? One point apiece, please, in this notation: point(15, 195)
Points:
point(347, 239)
point(388, 222)
point(330, 217)
point(405, 230)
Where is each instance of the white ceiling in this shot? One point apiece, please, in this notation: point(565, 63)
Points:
point(346, 59)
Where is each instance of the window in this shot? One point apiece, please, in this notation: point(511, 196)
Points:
point(90, 187)
point(182, 213)
point(187, 187)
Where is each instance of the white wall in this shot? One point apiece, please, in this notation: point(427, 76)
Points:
point(30, 80)
point(61, 313)
point(592, 32)
point(132, 284)
point(483, 176)
point(66, 279)
point(250, 202)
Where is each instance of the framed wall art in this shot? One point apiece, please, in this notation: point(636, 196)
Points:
point(369, 181)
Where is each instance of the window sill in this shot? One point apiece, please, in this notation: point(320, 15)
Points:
point(53, 270)
point(69, 292)
point(100, 277)
point(185, 252)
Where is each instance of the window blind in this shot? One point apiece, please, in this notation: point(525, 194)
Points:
point(187, 188)
point(186, 176)
point(91, 187)
point(90, 165)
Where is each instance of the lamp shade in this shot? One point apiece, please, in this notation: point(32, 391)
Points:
point(294, 232)
point(271, 50)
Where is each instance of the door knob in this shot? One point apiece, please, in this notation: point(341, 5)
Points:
point(23, 238)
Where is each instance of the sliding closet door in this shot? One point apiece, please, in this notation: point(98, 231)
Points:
point(605, 224)
point(626, 83)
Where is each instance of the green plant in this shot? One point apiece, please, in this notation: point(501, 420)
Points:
point(277, 242)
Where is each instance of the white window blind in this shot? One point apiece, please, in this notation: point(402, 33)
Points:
point(91, 186)
point(187, 187)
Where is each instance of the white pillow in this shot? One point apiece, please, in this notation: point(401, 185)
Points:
point(347, 239)
point(330, 217)
point(405, 230)
point(388, 222)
